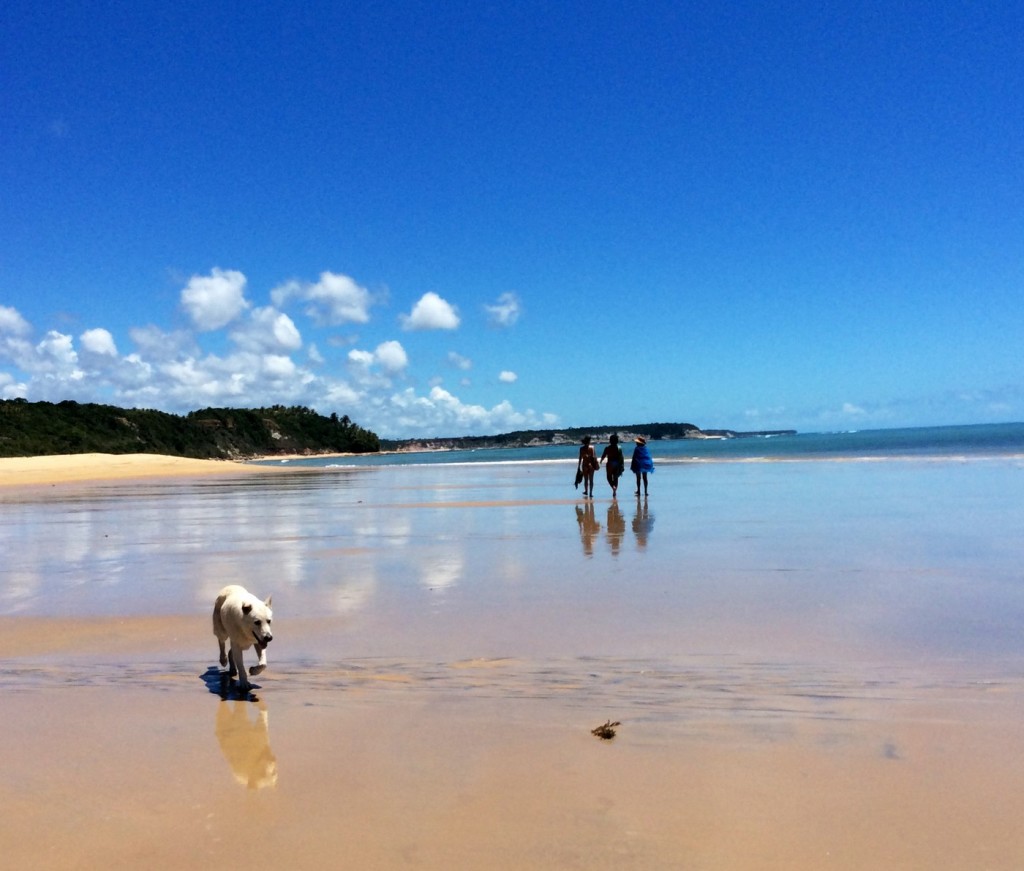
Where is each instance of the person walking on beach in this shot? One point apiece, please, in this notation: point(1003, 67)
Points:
point(588, 464)
point(641, 464)
point(616, 463)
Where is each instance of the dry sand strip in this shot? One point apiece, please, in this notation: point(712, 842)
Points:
point(69, 468)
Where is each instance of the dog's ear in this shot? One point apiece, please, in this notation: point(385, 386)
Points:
point(267, 603)
point(246, 608)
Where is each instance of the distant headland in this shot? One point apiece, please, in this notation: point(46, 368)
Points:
point(35, 429)
point(30, 429)
point(537, 438)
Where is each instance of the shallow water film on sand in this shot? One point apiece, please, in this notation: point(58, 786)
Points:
point(812, 664)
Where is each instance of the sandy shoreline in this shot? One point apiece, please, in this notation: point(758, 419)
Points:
point(832, 683)
point(68, 468)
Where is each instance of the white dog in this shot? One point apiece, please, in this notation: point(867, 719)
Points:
point(242, 619)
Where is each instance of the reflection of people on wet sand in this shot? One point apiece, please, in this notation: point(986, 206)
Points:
point(643, 523)
point(616, 463)
point(588, 464)
point(245, 743)
point(589, 527)
point(615, 528)
point(641, 464)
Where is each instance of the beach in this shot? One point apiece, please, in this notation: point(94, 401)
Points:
point(812, 664)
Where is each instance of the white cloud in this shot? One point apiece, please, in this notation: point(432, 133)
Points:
point(507, 377)
point(431, 312)
point(14, 339)
point(391, 356)
point(158, 345)
point(237, 354)
point(213, 301)
point(267, 329)
point(442, 413)
point(460, 362)
point(505, 312)
point(12, 323)
point(334, 299)
point(98, 341)
point(388, 357)
point(278, 366)
point(360, 358)
point(56, 353)
point(10, 388)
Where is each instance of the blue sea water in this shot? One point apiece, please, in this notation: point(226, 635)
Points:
point(1004, 439)
point(449, 555)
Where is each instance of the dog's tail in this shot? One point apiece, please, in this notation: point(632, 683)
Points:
point(218, 623)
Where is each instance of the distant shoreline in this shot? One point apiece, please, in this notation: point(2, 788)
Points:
point(561, 438)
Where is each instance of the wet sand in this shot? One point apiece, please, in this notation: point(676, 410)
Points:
point(834, 683)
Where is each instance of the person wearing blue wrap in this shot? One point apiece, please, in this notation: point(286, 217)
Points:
point(641, 464)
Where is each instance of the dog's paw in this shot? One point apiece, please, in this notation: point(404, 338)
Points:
point(256, 669)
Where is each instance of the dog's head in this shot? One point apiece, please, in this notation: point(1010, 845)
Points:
point(258, 619)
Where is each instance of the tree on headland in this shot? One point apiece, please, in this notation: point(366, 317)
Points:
point(68, 427)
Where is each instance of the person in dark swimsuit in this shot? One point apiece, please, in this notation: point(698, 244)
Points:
point(615, 463)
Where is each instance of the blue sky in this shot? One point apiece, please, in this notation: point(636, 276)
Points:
point(468, 217)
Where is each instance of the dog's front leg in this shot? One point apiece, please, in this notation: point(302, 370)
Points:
point(261, 662)
point(237, 666)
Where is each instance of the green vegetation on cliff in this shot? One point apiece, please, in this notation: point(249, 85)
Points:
point(40, 428)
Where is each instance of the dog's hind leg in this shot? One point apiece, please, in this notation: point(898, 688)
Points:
point(219, 630)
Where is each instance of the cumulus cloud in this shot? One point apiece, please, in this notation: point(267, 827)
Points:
point(459, 362)
point(363, 359)
point(12, 323)
point(159, 345)
point(237, 354)
point(505, 312)
point(213, 301)
point(56, 353)
point(15, 344)
point(267, 329)
point(507, 377)
point(375, 367)
point(334, 299)
point(441, 412)
point(98, 341)
point(391, 356)
point(431, 312)
point(11, 388)
point(278, 366)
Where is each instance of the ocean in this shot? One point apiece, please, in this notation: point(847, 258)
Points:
point(1003, 439)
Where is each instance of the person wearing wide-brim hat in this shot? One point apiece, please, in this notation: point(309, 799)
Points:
point(641, 464)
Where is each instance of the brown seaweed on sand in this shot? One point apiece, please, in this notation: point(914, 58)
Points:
point(607, 731)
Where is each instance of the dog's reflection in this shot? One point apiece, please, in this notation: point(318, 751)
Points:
point(245, 742)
